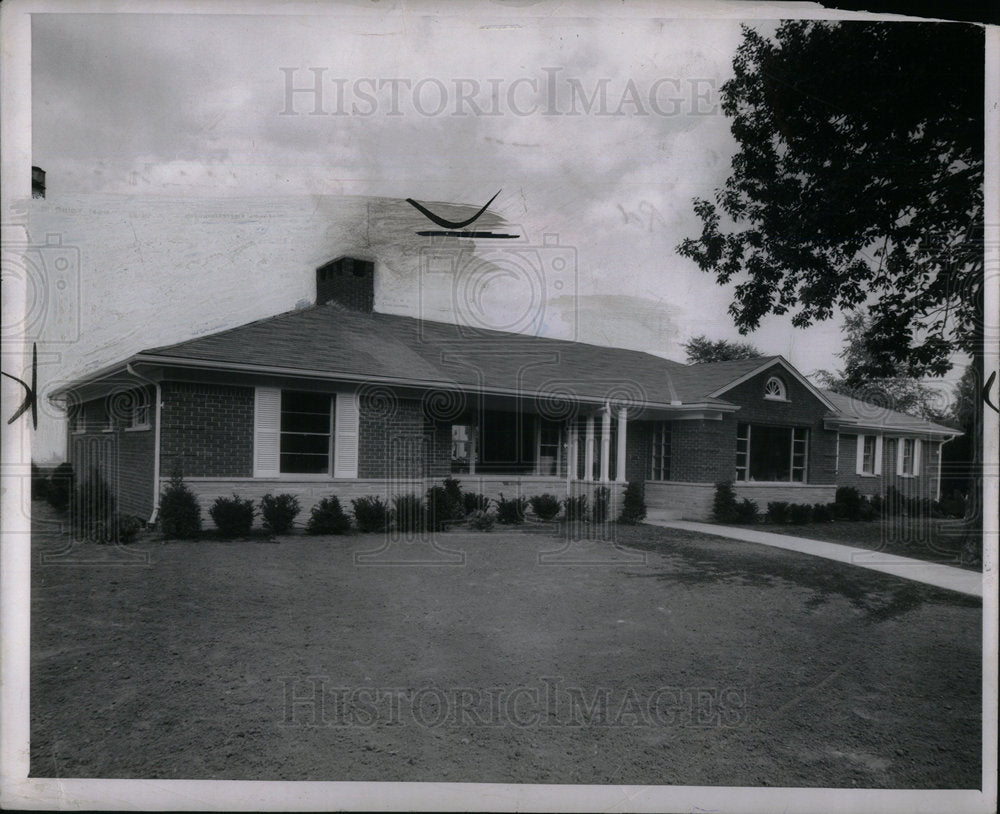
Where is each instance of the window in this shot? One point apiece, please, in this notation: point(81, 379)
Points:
point(660, 468)
point(869, 460)
point(550, 447)
point(771, 454)
point(306, 432)
point(774, 389)
point(908, 460)
point(139, 416)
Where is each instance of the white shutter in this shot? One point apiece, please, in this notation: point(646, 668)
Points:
point(266, 432)
point(878, 454)
point(860, 467)
point(916, 456)
point(900, 452)
point(345, 445)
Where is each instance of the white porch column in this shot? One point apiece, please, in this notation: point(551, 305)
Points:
point(572, 450)
point(473, 432)
point(606, 444)
point(588, 460)
point(620, 460)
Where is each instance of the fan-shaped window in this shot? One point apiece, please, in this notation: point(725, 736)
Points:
point(774, 389)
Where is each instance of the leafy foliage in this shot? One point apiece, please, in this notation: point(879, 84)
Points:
point(472, 502)
point(179, 513)
point(61, 487)
point(602, 500)
point(39, 483)
point(633, 504)
point(328, 517)
point(777, 511)
point(370, 513)
point(510, 511)
point(233, 516)
point(800, 514)
point(725, 508)
point(545, 506)
point(443, 507)
point(482, 521)
point(409, 513)
point(577, 508)
point(92, 510)
point(858, 178)
point(701, 349)
point(127, 528)
point(279, 512)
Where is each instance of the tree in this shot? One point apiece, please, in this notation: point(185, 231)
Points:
point(858, 178)
point(702, 349)
point(901, 392)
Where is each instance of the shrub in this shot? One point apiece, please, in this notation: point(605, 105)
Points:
point(453, 488)
point(602, 497)
point(633, 504)
point(953, 505)
point(409, 513)
point(233, 517)
point(61, 487)
point(471, 502)
point(848, 501)
point(747, 511)
point(511, 511)
point(577, 508)
point(800, 514)
point(822, 513)
point(370, 513)
point(279, 512)
point(867, 511)
point(481, 521)
point(179, 514)
point(725, 508)
point(92, 510)
point(877, 503)
point(39, 483)
point(442, 508)
point(777, 511)
point(545, 506)
point(328, 517)
point(128, 528)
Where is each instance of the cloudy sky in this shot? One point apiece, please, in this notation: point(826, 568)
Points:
point(193, 165)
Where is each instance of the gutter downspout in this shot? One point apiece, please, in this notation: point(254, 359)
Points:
point(940, 456)
point(156, 444)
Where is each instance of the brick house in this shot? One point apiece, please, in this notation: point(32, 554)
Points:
point(340, 399)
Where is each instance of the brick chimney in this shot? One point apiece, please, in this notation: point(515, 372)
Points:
point(349, 281)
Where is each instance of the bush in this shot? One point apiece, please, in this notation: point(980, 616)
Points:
point(370, 513)
point(92, 510)
point(179, 513)
point(602, 497)
point(39, 483)
point(60, 487)
point(747, 512)
point(725, 508)
point(328, 517)
point(128, 528)
point(233, 517)
point(633, 504)
point(867, 511)
point(848, 503)
point(453, 488)
point(546, 506)
point(878, 504)
point(822, 513)
point(800, 514)
point(279, 512)
point(471, 503)
point(511, 512)
point(409, 513)
point(577, 508)
point(777, 511)
point(481, 521)
point(443, 507)
point(953, 505)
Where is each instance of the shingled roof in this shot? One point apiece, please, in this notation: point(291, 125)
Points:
point(376, 346)
point(877, 416)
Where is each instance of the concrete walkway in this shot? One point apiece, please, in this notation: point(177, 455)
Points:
point(941, 576)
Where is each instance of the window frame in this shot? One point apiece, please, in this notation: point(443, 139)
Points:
point(876, 456)
point(782, 390)
point(914, 458)
point(660, 456)
point(330, 434)
point(142, 406)
point(798, 448)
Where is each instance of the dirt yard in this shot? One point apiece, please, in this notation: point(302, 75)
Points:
point(682, 659)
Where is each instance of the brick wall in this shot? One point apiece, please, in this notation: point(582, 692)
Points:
point(123, 457)
point(693, 501)
point(924, 485)
point(702, 450)
point(397, 440)
point(207, 430)
point(637, 450)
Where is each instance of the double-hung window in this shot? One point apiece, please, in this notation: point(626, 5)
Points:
point(908, 457)
point(869, 457)
point(660, 468)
